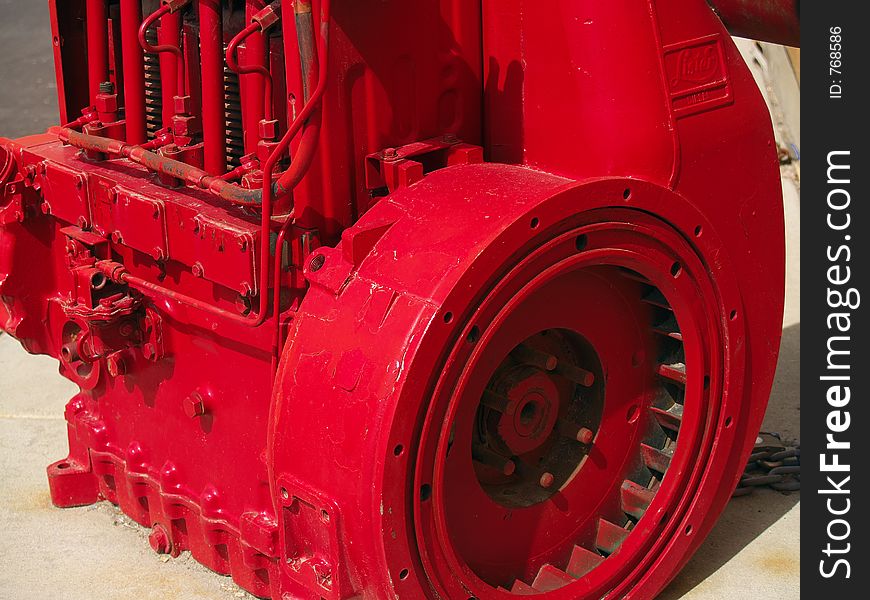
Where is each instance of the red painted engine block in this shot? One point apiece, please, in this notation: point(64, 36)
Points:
point(437, 299)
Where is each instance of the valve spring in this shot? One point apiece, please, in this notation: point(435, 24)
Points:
point(153, 92)
point(233, 118)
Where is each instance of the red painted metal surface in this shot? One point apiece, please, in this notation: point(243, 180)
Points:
point(489, 308)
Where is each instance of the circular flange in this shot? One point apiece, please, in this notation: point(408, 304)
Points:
point(544, 378)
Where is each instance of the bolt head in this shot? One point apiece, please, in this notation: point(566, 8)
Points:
point(585, 435)
point(193, 405)
point(197, 270)
point(547, 480)
point(159, 541)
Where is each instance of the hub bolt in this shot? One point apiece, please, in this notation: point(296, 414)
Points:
point(547, 480)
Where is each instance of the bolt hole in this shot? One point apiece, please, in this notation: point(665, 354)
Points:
point(626, 194)
point(733, 315)
point(62, 466)
point(535, 222)
point(448, 317)
point(474, 335)
point(403, 574)
point(728, 422)
point(425, 492)
point(688, 530)
point(98, 281)
point(528, 413)
point(633, 414)
point(285, 494)
point(676, 269)
point(581, 242)
point(398, 450)
point(698, 231)
point(316, 263)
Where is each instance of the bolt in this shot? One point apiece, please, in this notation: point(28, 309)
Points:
point(82, 223)
point(158, 254)
point(547, 480)
point(115, 237)
point(159, 540)
point(45, 207)
point(193, 405)
point(390, 154)
point(197, 270)
point(30, 172)
point(107, 87)
point(585, 436)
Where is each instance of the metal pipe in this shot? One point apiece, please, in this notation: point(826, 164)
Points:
point(253, 96)
point(776, 21)
point(189, 174)
point(212, 60)
point(134, 71)
point(98, 45)
point(169, 43)
point(233, 64)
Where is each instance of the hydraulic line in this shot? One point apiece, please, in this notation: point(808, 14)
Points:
point(169, 48)
point(261, 22)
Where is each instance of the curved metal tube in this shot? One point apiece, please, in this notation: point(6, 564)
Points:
point(233, 64)
point(174, 50)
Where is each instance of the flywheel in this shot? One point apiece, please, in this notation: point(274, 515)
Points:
point(544, 379)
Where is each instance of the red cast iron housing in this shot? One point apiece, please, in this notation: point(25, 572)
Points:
point(459, 299)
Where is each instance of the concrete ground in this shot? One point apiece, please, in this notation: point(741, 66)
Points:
point(96, 552)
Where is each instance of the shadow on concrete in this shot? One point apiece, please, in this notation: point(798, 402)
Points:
point(748, 517)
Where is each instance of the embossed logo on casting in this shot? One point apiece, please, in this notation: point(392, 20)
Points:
point(696, 65)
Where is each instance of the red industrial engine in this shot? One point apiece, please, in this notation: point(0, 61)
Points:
point(458, 299)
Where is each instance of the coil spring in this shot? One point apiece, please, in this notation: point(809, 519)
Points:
point(233, 118)
point(153, 92)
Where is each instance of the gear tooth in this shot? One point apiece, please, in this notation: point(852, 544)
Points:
point(550, 578)
point(656, 298)
point(583, 561)
point(655, 459)
point(610, 536)
point(671, 418)
point(522, 589)
point(635, 499)
point(675, 372)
